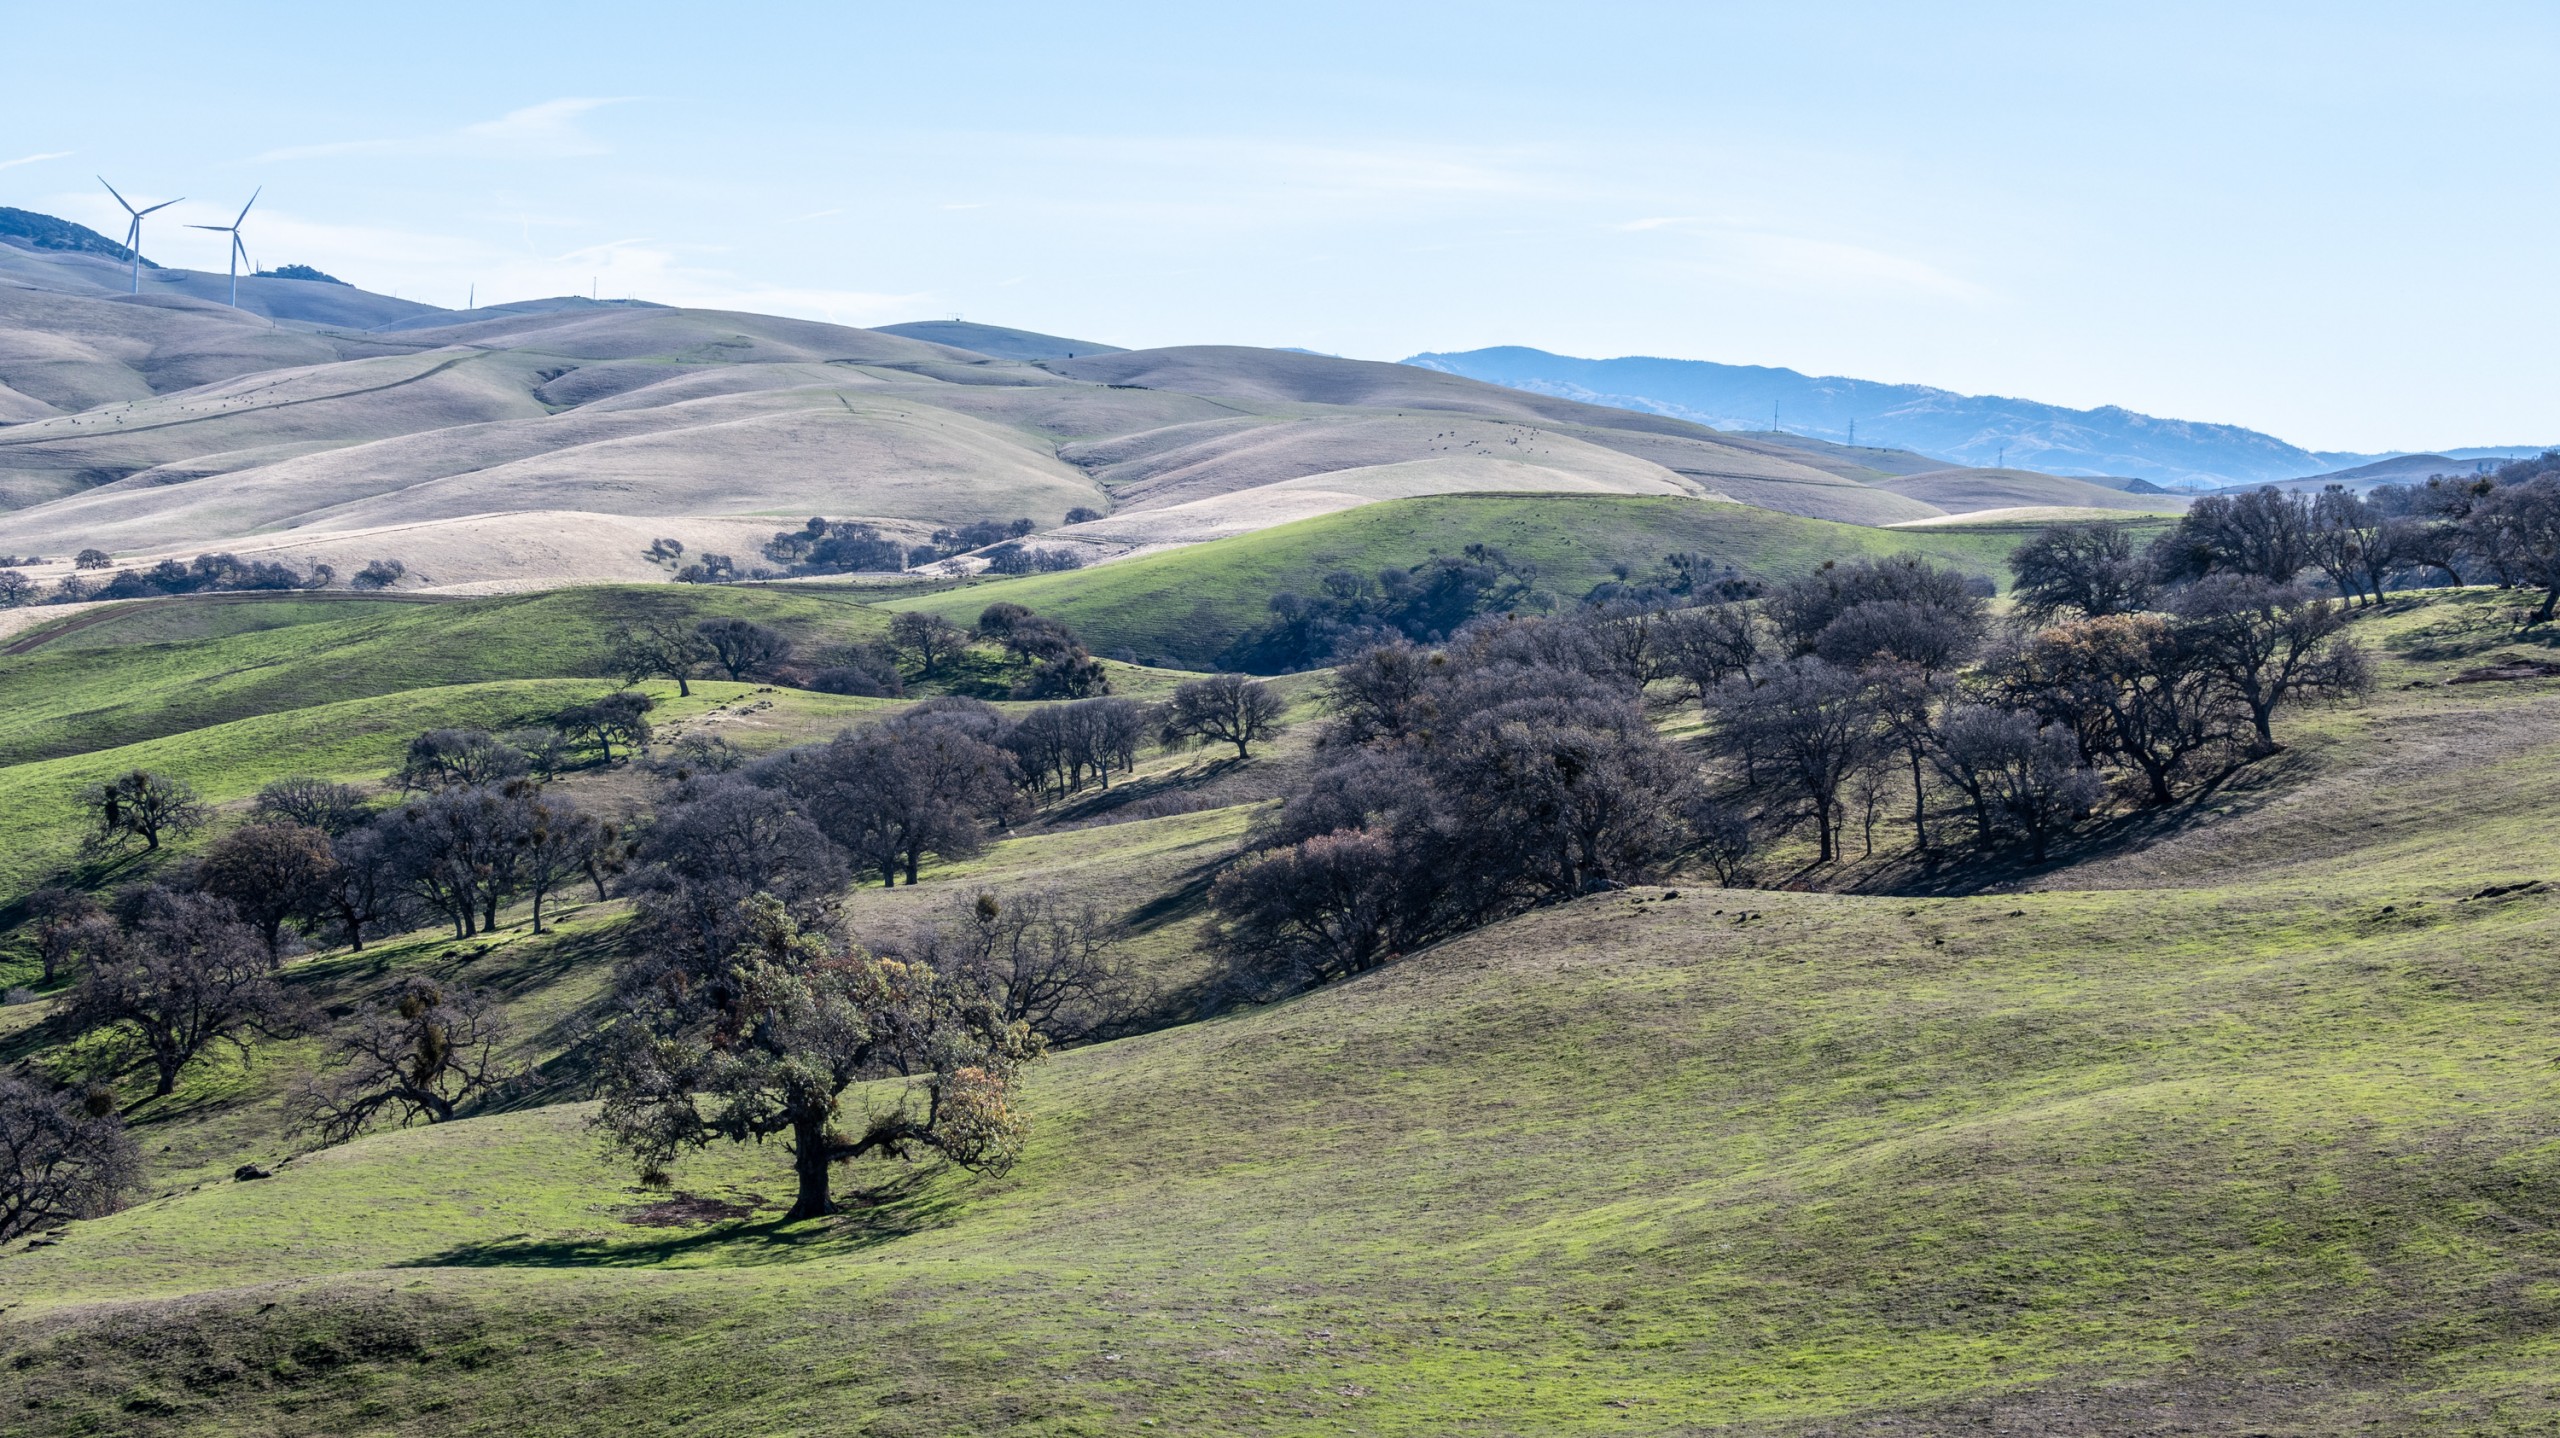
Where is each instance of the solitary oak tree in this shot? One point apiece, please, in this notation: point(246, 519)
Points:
point(140, 804)
point(1226, 709)
point(768, 1046)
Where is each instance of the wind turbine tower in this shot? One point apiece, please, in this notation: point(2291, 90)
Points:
point(239, 251)
point(133, 231)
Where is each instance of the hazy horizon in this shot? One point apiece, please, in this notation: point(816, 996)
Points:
point(2317, 222)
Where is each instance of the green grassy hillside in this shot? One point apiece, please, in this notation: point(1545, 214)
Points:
point(1183, 607)
point(2240, 1123)
point(155, 668)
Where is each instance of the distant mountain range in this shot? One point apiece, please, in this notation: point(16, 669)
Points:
point(1974, 430)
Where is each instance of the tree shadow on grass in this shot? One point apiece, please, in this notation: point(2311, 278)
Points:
point(2236, 793)
point(909, 1205)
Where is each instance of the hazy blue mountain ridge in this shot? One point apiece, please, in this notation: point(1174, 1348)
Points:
point(1979, 430)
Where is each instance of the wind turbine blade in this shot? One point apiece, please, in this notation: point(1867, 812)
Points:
point(244, 209)
point(164, 204)
point(225, 229)
point(120, 199)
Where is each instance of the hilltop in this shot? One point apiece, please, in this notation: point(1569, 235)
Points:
point(543, 441)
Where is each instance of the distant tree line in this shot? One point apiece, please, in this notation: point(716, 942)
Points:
point(2499, 527)
point(205, 574)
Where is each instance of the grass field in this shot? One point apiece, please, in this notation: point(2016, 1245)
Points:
point(1183, 607)
point(2237, 1124)
point(153, 669)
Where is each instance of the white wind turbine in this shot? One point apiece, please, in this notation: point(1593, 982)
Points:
point(133, 232)
point(239, 250)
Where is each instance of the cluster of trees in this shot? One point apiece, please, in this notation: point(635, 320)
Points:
point(1424, 604)
point(741, 649)
point(845, 546)
point(208, 573)
point(1515, 764)
point(2502, 527)
point(167, 973)
point(1511, 767)
point(838, 546)
point(1055, 663)
point(1014, 557)
point(1891, 666)
point(1058, 665)
point(746, 1012)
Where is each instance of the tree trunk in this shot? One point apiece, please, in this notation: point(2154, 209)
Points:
point(537, 911)
point(167, 1067)
point(683, 690)
point(809, 1162)
point(1919, 806)
point(911, 865)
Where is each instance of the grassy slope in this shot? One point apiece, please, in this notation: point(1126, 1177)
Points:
point(1182, 607)
point(2254, 1152)
point(151, 670)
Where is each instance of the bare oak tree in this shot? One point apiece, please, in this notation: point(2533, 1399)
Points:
point(430, 1052)
point(1225, 709)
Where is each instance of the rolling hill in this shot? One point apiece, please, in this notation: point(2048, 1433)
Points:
point(1969, 491)
point(1184, 607)
point(544, 442)
point(998, 341)
point(2233, 1122)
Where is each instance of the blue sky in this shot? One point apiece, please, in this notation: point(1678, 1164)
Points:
point(2333, 222)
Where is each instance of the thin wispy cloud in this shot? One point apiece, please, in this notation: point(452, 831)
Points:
point(549, 130)
point(1761, 254)
point(35, 159)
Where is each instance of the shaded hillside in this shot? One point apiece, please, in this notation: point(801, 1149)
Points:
point(29, 230)
point(2399, 469)
point(1965, 491)
point(106, 273)
point(998, 341)
point(1183, 608)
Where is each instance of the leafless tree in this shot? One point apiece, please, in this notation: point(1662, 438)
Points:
point(430, 1052)
point(933, 639)
point(742, 646)
point(1056, 964)
point(457, 758)
point(2088, 569)
point(1226, 709)
point(658, 649)
point(184, 975)
point(140, 804)
point(2268, 645)
point(1815, 721)
point(2265, 533)
point(332, 808)
point(64, 1155)
point(268, 873)
point(1711, 643)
